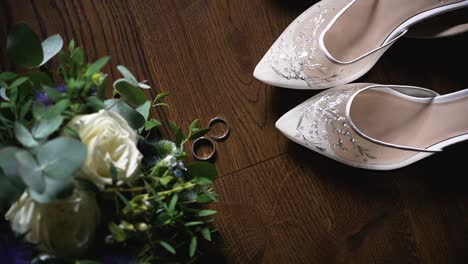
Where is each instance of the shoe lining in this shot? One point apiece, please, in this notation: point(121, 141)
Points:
point(367, 24)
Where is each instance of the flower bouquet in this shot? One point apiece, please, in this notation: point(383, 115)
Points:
point(87, 177)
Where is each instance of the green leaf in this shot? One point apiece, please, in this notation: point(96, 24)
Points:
point(60, 158)
point(177, 132)
point(127, 75)
point(161, 104)
point(54, 190)
point(134, 119)
point(203, 213)
point(24, 46)
point(50, 47)
point(193, 125)
point(199, 133)
point(193, 246)
point(193, 223)
point(160, 96)
point(39, 78)
point(132, 95)
point(38, 110)
point(95, 103)
point(47, 126)
point(203, 198)
point(167, 247)
point(29, 171)
point(206, 233)
point(144, 109)
point(203, 170)
point(24, 136)
point(57, 109)
point(203, 181)
point(97, 66)
point(6, 76)
point(173, 202)
point(52, 94)
point(152, 124)
point(8, 161)
point(117, 233)
point(18, 82)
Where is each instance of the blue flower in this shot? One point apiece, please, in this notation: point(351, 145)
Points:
point(177, 173)
point(61, 88)
point(42, 97)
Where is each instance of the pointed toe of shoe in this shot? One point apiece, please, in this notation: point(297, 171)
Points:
point(287, 123)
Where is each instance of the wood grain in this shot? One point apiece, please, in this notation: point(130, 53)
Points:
point(304, 208)
point(280, 203)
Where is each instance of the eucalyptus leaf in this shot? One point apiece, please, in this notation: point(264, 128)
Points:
point(54, 190)
point(127, 75)
point(24, 46)
point(29, 171)
point(132, 95)
point(47, 126)
point(133, 118)
point(8, 161)
point(38, 110)
point(60, 158)
point(144, 109)
point(50, 47)
point(24, 136)
point(57, 109)
point(8, 191)
point(3, 94)
point(143, 85)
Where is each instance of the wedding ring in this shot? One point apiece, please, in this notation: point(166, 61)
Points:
point(222, 121)
point(203, 141)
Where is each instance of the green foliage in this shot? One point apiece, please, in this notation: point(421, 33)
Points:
point(161, 216)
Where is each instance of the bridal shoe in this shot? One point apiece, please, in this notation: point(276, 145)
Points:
point(379, 127)
point(335, 42)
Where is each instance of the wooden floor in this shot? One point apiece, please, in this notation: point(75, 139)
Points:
point(280, 203)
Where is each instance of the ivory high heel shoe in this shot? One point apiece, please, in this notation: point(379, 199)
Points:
point(378, 127)
point(337, 41)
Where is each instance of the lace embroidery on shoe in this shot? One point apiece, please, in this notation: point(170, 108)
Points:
point(325, 115)
point(290, 61)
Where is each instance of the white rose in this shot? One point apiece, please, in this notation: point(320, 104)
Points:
point(65, 228)
point(109, 139)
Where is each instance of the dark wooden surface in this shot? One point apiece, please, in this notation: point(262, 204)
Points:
point(280, 203)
